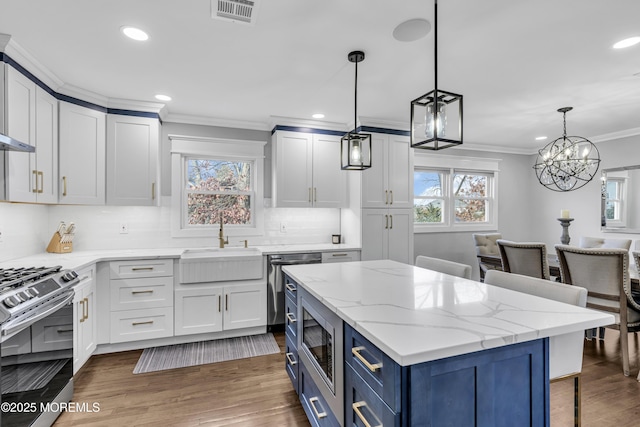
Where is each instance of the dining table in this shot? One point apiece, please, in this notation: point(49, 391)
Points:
point(554, 268)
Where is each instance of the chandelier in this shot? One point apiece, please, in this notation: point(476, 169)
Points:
point(355, 148)
point(567, 163)
point(436, 117)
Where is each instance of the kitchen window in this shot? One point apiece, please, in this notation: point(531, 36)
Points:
point(615, 195)
point(458, 197)
point(216, 180)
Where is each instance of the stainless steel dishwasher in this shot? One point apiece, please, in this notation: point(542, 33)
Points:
point(275, 283)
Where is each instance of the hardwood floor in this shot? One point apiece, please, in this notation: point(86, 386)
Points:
point(257, 392)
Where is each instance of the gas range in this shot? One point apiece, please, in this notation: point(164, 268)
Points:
point(27, 292)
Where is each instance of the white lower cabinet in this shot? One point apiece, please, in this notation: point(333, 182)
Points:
point(387, 234)
point(205, 308)
point(84, 317)
point(141, 300)
point(340, 256)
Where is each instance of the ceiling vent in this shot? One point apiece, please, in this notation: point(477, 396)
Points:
point(244, 11)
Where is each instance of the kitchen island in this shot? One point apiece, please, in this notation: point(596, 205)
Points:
point(423, 348)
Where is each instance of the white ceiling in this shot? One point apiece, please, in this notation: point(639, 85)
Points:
point(515, 61)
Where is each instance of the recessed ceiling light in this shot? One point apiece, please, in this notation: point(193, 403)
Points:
point(627, 43)
point(540, 138)
point(134, 33)
point(161, 97)
point(412, 30)
point(318, 116)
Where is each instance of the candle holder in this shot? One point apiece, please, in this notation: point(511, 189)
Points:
point(565, 223)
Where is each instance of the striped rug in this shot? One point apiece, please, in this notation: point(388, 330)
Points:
point(203, 352)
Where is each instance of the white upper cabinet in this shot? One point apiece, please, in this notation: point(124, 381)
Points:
point(389, 181)
point(307, 172)
point(132, 160)
point(82, 155)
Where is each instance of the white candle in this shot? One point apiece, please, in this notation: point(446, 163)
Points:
point(564, 213)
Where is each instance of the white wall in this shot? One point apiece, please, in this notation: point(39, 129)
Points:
point(23, 228)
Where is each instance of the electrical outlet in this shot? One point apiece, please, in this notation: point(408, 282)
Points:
point(283, 227)
point(124, 228)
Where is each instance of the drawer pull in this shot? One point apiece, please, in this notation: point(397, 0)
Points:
point(291, 318)
point(319, 415)
point(356, 408)
point(64, 331)
point(290, 358)
point(148, 322)
point(142, 269)
point(145, 291)
point(344, 254)
point(85, 309)
point(82, 302)
point(372, 367)
point(290, 287)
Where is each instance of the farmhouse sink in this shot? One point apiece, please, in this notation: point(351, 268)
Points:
point(220, 264)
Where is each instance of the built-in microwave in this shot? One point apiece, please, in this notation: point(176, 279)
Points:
point(321, 344)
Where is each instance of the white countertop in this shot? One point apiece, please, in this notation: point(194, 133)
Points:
point(416, 315)
point(79, 259)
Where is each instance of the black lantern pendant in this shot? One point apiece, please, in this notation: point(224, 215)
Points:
point(436, 117)
point(355, 148)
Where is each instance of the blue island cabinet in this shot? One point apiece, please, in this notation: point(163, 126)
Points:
point(504, 386)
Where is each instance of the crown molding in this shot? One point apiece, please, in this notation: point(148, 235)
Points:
point(615, 135)
point(210, 121)
point(306, 123)
point(384, 124)
point(29, 62)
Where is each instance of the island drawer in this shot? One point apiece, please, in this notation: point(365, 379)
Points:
point(291, 361)
point(291, 318)
point(377, 369)
point(141, 293)
point(363, 406)
point(141, 268)
point(315, 406)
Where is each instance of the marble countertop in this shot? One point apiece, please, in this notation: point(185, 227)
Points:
point(416, 315)
point(79, 259)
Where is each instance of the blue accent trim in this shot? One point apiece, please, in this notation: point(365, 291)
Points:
point(340, 133)
point(384, 130)
point(70, 99)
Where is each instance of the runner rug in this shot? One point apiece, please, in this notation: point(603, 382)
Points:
point(203, 352)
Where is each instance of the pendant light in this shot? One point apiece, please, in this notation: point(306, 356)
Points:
point(436, 117)
point(567, 163)
point(355, 148)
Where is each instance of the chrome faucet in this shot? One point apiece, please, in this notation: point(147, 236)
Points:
point(221, 238)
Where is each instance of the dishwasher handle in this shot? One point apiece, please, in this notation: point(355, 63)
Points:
point(295, 262)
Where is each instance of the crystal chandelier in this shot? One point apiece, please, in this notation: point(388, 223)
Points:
point(567, 163)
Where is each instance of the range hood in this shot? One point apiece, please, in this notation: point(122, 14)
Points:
point(9, 144)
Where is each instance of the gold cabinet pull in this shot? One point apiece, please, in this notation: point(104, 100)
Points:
point(41, 188)
point(153, 191)
point(391, 195)
point(290, 359)
point(226, 302)
point(219, 303)
point(372, 367)
point(343, 254)
point(142, 269)
point(291, 318)
point(391, 221)
point(386, 197)
point(85, 309)
point(356, 408)
point(386, 222)
point(290, 287)
point(315, 194)
point(312, 402)
point(144, 291)
point(82, 303)
point(64, 185)
point(35, 181)
point(148, 322)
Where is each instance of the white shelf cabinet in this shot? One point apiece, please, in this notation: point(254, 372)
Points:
point(307, 171)
point(32, 118)
point(132, 160)
point(84, 317)
point(389, 181)
point(387, 234)
point(205, 308)
point(82, 156)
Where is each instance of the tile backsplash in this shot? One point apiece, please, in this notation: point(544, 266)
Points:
point(26, 229)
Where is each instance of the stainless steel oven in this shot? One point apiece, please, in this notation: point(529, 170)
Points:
point(320, 337)
point(36, 344)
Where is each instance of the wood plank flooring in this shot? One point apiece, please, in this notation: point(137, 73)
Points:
point(257, 392)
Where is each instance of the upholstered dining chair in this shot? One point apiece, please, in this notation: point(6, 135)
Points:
point(486, 245)
point(444, 266)
point(526, 258)
point(565, 351)
point(605, 274)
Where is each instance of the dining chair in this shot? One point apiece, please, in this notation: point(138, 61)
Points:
point(526, 258)
point(444, 266)
point(605, 274)
point(485, 244)
point(565, 351)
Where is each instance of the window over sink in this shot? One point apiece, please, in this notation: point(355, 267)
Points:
point(214, 179)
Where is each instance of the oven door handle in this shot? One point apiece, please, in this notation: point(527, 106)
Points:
point(10, 329)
